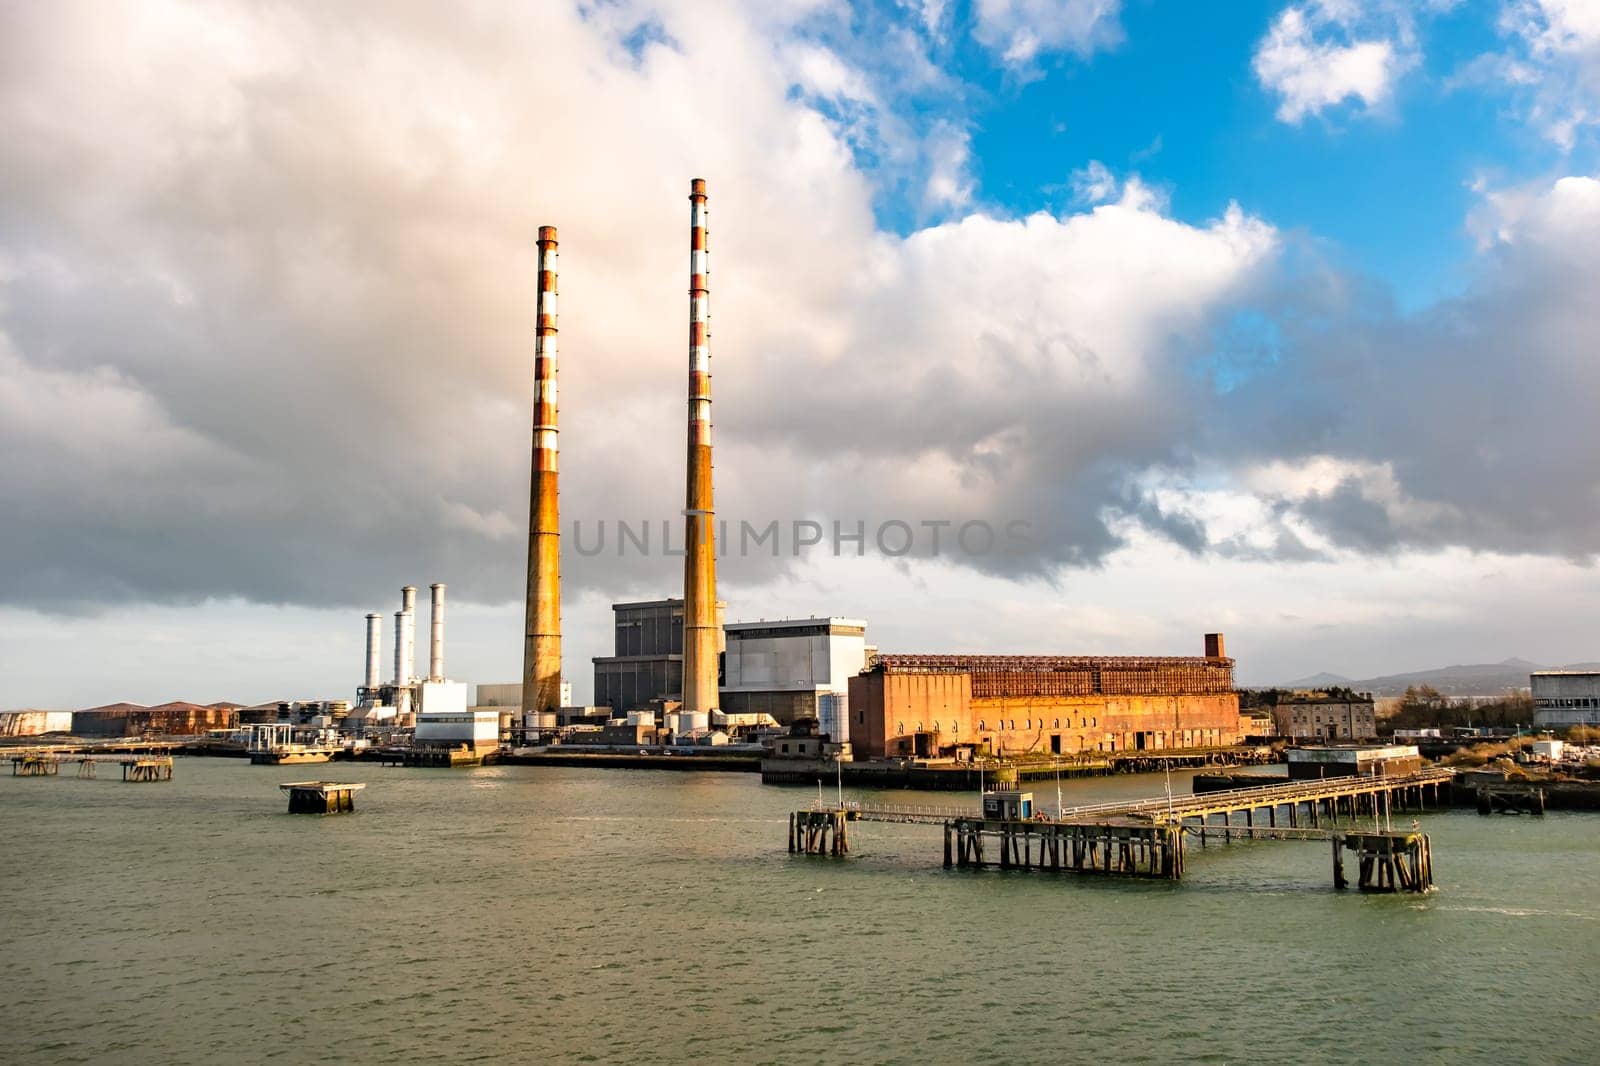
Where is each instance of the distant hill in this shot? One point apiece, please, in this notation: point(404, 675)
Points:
point(1322, 680)
point(1472, 679)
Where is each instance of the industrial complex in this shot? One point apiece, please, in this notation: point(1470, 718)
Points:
point(679, 676)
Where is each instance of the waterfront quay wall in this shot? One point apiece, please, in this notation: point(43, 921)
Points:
point(738, 764)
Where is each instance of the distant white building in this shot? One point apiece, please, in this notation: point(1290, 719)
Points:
point(785, 668)
point(1562, 698)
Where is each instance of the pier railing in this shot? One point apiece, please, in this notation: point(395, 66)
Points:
point(1158, 807)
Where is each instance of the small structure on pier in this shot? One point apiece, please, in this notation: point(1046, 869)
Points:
point(1008, 804)
point(321, 797)
point(1388, 862)
point(1353, 760)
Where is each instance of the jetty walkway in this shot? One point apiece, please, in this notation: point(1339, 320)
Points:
point(1312, 800)
point(1144, 837)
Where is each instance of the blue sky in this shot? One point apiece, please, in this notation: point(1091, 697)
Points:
point(1385, 191)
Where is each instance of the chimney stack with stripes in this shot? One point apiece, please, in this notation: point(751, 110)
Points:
point(700, 696)
point(541, 650)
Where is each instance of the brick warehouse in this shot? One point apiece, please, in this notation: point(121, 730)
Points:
point(922, 705)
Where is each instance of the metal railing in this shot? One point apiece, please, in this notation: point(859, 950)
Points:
point(1177, 806)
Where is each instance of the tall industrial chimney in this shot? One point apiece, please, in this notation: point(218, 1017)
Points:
point(408, 600)
point(436, 634)
point(541, 648)
point(402, 691)
point(374, 653)
point(700, 695)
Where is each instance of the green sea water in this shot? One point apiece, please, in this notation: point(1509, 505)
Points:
point(525, 914)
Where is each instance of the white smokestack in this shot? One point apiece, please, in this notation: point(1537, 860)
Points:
point(408, 600)
point(436, 634)
point(374, 651)
point(402, 694)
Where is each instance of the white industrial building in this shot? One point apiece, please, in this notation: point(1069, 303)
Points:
point(1565, 697)
point(786, 668)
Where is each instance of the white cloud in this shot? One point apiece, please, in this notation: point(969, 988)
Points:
point(1314, 60)
point(1094, 183)
point(1020, 32)
point(950, 182)
point(1554, 63)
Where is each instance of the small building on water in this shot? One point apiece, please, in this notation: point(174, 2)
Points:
point(1353, 760)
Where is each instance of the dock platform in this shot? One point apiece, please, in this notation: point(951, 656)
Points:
point(321, 797)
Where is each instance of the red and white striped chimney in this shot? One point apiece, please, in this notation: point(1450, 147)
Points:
point(541, 649)
point(700, 696)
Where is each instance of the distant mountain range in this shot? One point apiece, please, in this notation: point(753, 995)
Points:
point(1479, 679)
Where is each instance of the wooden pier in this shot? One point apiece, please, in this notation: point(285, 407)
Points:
point(1388, 862)
point(820, 832)
point(152, 768)
point(35, 766)
point(135, 768)
point(321, 797)
point(1510, 799)
point(1128, 849)
point(1145, 838)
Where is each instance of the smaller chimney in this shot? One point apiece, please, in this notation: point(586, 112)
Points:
point(374, 652)
point(408, 601)
point(402, 690)
point(436, 634)
point(1215, 648)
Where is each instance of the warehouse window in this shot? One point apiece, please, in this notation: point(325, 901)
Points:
point(1057, 725)
point(955, 726)
point(982, 725)
point(899, 727)
point(1028, 724)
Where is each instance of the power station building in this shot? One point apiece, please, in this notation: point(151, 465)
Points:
point(647, 655)
point(786, 668)
point(1565, 698)
point(922, 705)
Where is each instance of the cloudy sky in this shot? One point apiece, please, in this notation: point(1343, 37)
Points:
point(1276, 318)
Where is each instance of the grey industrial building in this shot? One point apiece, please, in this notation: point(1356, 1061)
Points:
point(1564, 698)
point(647, 655)
point(793, 668)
